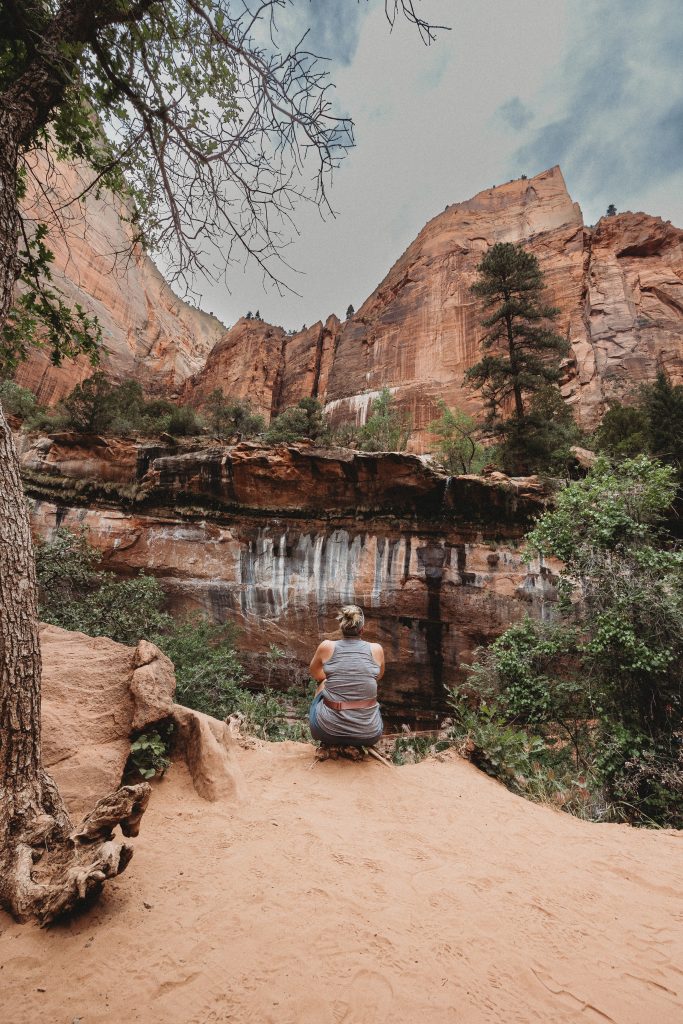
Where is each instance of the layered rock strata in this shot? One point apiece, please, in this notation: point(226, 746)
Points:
point(277, 540)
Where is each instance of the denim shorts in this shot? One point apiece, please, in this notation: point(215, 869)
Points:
point(320, 734)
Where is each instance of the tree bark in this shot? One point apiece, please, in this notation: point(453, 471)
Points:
point(46, 868)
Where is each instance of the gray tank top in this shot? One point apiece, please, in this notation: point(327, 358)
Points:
point(351, 674)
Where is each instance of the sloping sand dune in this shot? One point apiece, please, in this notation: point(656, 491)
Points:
point(354, 894)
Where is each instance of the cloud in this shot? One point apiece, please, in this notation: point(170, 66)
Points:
point(333, 26)
point(616, 126)
point(515, 113)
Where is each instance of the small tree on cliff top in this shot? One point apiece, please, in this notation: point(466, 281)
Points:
point(179, 108)
point(522, 352)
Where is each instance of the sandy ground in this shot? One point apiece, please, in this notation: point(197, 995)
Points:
point(354, 893)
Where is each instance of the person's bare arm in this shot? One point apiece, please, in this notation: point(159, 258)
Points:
point(378, 655)
point(316, 669)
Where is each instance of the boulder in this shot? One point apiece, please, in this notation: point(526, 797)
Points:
point(96, 694)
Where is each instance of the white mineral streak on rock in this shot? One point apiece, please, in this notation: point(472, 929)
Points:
point(315, 569)
point(356, 407)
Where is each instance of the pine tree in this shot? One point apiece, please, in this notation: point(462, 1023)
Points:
point(521, 351)
point(663, 405)
point(349, 312)
point(611, 210)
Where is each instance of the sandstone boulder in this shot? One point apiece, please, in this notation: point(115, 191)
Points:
point(96, 694)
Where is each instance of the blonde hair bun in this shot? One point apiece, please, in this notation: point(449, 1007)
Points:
point(351, 619)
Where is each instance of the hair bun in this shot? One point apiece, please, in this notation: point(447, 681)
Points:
point(351, 619)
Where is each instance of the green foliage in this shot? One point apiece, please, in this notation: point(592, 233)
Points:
point(149, 753)
point(40, 316)
point(411, 748)
point(89, 407)
point(604, 683)
point(75, 593)
point(623, 431)
point(17, 401)
point(662, 403)
point(98, 406)
point(522, 352)
point(541, 441)
point(231, 418)
point(653, 424)
point(183, 421)
point(303, 421)
point(611, 210)
point(457, 448)
point(387, 429)
point(209, 674)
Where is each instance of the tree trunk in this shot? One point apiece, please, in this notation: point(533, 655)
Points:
point(46, 868)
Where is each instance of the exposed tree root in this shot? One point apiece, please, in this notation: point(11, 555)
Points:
point(47, 881)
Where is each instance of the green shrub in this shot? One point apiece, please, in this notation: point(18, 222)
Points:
point(76, 594)
point(231, 418)
point(601, 687)
point(302, 422)
point(387, 429)
point(209, 674)
point(17, 401)
point(183, 422)
point(149, 753)
point(457, 446)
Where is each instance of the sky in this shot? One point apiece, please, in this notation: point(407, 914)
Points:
point(513, 88)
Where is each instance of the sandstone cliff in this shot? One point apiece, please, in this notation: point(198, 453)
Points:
point(619, 287)
point(276, 539)
point(148, 332)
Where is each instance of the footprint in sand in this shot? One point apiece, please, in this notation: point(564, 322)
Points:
point(368, 1000)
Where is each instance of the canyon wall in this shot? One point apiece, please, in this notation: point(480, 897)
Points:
point(276, 540)
point(618, 286)
point(148, 332)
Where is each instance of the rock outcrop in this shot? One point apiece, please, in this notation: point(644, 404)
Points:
point(96, 695)
point(618, 286)
point(275, 540)
point(258, 362)
point(148, 331)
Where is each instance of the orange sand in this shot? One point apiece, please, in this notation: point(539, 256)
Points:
point(354, 893)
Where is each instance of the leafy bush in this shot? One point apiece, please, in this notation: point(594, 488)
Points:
point(231, 418)
point(76, 594)
point(652, 423)
point(457, 446)
point(601, 687)
point(303, 421)
point(209, 674)
point(17, 401)
point(149, 753)
point(98, 406)
point(622, 432)
point(539, 441)
point(387, 429)
point(183, 422)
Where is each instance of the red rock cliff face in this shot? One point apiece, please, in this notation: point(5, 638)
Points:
point(148, 332)
point(619, 288)
point(255, 360)
point(276, 540)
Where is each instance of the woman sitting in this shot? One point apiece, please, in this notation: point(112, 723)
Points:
point(345, 711)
